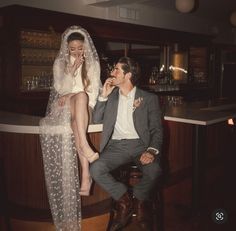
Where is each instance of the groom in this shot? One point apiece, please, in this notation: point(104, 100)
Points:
point(132, 131)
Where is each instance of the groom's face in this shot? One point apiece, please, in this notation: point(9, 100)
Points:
point(119, 77)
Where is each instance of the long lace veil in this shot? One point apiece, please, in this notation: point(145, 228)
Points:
point(57, 142)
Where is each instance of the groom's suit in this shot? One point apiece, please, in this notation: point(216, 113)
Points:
point(147, 119)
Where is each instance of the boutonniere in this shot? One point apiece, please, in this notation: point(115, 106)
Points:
point(137, 103)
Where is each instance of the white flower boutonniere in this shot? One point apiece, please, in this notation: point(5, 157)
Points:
point(137, 103)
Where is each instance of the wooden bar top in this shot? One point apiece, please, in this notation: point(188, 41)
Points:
point(21, 123)
point(199, 112)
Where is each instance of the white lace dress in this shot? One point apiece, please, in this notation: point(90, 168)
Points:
point(57, 141)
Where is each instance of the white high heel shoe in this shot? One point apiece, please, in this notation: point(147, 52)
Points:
point(91, 158)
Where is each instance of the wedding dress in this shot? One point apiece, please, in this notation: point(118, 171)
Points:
point(57, 140)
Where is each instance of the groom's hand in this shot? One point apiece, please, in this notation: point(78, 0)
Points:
point(107, 88)
point(146, 158)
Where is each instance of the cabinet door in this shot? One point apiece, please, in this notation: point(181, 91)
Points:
point(228, 80)
point(1, 71)
point(38, 50)
point(198, 64)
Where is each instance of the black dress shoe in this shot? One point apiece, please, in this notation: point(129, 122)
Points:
point(123, 213)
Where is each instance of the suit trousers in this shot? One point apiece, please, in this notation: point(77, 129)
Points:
point(118, 153)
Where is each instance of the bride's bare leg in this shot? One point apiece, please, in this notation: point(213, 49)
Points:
point(79, 123)
point(86, 180)
point(79, 117)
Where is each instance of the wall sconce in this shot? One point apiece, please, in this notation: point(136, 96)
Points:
point(184, 6)
point(231, 122)
point(233, 18)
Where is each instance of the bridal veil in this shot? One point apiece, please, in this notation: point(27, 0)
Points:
point(57, 142)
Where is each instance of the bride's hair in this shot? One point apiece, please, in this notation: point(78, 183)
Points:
point(77, 36)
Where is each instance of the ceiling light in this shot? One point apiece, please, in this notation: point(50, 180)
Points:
point(184, 6)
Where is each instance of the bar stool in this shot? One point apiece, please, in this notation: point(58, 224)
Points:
point(130, 175)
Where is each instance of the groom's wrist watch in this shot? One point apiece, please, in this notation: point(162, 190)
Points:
point(153, 151)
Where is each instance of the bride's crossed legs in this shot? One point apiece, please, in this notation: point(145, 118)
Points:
point(79, 124)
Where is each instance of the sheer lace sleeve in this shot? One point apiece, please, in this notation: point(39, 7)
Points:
point(63, 82)
point(95, 83)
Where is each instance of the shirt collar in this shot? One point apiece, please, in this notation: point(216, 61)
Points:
point(130, 95)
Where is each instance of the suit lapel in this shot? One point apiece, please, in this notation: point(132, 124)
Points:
point(111, 114)
point(138, 94)
point(114, 108)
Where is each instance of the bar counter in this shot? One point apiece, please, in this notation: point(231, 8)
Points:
point(200, 112)
point(21, 159)
point(201, 115)
point(20, 123)
point(20, 152)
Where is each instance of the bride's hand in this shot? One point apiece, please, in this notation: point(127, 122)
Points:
point(78, 61)
point(62, 100)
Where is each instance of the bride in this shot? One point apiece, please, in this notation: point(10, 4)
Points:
point(76, 75)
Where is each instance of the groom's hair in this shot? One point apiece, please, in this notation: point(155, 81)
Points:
point(130, 65)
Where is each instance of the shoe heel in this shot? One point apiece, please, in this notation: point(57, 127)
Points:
point(92, 158)
point(87, 192)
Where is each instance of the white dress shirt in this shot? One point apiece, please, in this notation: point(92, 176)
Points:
point(124, 126)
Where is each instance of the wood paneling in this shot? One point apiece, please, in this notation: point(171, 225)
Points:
point(24, 173)
point(23, 166)
point(177, 146)
point(24, 170)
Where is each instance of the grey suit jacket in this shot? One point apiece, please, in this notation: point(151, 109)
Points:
point(147, 118)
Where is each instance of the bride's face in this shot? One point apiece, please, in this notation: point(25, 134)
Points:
point(76, 48)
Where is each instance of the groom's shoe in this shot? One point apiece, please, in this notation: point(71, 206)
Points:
point(123, 213)
point(143, 215)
